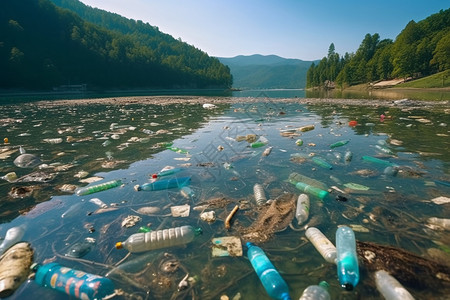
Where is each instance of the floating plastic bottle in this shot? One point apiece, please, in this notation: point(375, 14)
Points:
point(12, 236)
point(302, 210)
point(322, 244)
point(306, 188)
point(322, 163)
point(316, 292)
point(390, 288)
point(260, 196)
point(272, 281)
point(145, 241)
point(295, 177)
point(164, 184)
point(339, 144)
point(347, 258)
point(72, 282)
point(99, 187)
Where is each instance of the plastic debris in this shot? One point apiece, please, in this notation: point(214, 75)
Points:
point(226, 246)
point(15, 266)
point(208, 216)
point(180, 211)
point(130, 221)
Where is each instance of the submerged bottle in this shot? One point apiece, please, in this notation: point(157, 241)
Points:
point(72, 282)
point(260, 196)
point(272, 281)
point(322, 163)
point(390, 288)
point(188, 193)
point(302, 210)
point(164, 184)
point(145, 241)
point(322, 244)
point(316, 292)
point(99, 187)
point(377, 161)
point(167, 172)
point(311, 190)
point(346, 258)
point(12, 236)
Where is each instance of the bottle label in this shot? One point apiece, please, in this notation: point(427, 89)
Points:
point(53, 280)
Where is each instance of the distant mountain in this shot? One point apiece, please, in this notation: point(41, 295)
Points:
point(267, 71)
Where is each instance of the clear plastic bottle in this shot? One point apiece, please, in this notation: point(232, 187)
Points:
point(188, 193)
point(306, 188)
point(302, 210)
point(164, 184)
point(390, 288)
point(272, 281)
point(260, 196)
point(72, 282)
point(322, 244)
point(12, 236)
point(99, 187)
point(346, 258)
point(316, 292)
point(145, 241)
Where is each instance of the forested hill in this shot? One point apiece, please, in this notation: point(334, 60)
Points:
point(267, 71)
point(421, 49)
point(43, 46)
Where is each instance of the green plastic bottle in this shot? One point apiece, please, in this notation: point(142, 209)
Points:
point(99, 187)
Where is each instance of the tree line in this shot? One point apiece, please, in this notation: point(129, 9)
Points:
point(43, 46)
point(421, 49)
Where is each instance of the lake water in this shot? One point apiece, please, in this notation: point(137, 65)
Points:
point(126, 142)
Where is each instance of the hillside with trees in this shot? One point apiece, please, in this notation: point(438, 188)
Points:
point(267, 72)
point(43, 46)
point(421, 49)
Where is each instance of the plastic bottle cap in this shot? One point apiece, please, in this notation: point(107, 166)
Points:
point(348, 286)
point(154, 176)
point(119, 245)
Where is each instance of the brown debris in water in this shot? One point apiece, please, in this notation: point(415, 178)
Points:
point(408, 268)
point(272, 218)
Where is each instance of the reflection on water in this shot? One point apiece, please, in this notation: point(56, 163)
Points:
point(127, 142)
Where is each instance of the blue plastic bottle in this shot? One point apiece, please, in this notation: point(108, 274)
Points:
point(346, 258)
point(272, 281)
point(74, 283)
point(164, 184)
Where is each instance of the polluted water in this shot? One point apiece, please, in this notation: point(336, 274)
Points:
point(290, 197)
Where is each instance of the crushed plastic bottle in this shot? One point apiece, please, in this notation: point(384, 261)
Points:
point(146, 241)
point(272, 281)
point(316, 292)
point(347, 258)
point(302, 210)
point(99, 187)
point(322, 244)
point(390, 288)
point(72, 282)
point(258, 192)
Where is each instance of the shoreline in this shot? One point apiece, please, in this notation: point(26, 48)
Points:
point(167, 100)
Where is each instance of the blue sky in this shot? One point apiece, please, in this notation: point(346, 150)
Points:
point(302, 29)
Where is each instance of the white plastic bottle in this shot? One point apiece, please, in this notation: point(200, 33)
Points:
point(390, 288)
point(145, 241)
point(316, 292)
point(13, 236)
point(260, 196)
point(302, 211)
point(322, 244)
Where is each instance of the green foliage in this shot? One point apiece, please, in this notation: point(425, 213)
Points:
point(42, 46)
point(421, 49)
point(438, 80)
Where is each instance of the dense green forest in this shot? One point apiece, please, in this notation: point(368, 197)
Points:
point(421, 49)
point(43, 46)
